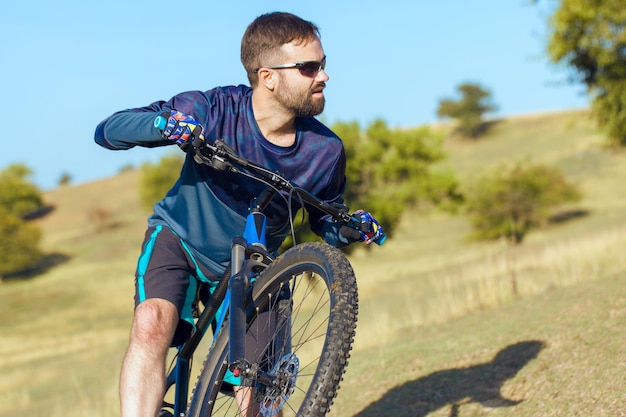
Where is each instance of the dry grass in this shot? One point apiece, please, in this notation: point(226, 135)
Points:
point(559, 353)
point(406, 294)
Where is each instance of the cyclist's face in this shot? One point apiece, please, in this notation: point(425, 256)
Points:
point(302, 93)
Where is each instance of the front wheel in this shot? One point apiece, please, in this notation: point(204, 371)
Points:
point(310, 293)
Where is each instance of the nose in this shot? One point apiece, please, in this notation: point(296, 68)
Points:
point(322, 76)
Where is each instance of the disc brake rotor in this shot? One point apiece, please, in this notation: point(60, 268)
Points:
point(286, 374)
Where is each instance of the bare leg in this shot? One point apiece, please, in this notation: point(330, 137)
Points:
point(247, 407)
point(244, 401)
point(142, 382)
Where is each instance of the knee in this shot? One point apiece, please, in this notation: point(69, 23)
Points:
point(154, 322)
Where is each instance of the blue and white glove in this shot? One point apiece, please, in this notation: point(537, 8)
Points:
point(367, 229)
point(180, 128)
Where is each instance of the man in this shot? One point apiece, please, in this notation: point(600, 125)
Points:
point(188, 238)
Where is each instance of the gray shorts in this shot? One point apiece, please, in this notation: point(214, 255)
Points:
point(167, 269)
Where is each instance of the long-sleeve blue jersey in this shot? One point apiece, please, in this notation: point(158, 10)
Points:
point(206, 208)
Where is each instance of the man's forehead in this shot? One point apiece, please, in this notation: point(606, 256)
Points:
point(308, 50)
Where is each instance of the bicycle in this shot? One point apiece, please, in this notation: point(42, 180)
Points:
point(311, 292)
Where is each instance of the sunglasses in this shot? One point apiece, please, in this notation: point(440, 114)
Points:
point(306, 68)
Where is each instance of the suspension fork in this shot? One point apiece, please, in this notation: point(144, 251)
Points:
point(254, 235)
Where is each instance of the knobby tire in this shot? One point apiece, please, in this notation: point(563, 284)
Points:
point(322, 314)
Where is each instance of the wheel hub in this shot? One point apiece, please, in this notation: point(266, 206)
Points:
point(285, 373)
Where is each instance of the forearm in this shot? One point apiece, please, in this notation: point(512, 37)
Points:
point(126, 129)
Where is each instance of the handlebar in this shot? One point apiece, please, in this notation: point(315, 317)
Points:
point(222, 157)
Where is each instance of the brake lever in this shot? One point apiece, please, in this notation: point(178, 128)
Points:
point(342, 211)
point(228, 154)
point(214, 156)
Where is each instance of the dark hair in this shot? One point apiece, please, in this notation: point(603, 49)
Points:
point(267, 34)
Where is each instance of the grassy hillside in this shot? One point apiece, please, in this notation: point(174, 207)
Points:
point(440, 331)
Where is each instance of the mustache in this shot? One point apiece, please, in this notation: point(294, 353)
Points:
point(317, 88)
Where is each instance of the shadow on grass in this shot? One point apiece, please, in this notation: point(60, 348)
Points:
point(39, 213)
point(454, 387)
point(480, 132)
point(567, 215)
point(48, 262)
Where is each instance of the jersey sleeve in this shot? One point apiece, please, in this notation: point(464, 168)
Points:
point(323, 224)
point(135, 127)
point(126, 129)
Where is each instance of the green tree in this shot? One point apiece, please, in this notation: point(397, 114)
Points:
point(65, 179)
point(509, 202)
point(389, 170)
point(469, 110)
point(19, 244)
point(157, 179)
point(18, 195)
point(589, 36)
point(19, 240)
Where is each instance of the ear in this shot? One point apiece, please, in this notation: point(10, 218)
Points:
point(266, 78)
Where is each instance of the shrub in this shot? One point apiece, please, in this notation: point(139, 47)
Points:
point(157, 179)
point(510, 202)
point(469, 110)
point(19, 244)
point(18, 195)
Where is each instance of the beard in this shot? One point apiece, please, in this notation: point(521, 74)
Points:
point(302, 103)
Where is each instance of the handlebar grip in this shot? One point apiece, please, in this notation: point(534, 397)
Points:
point(160, 123)
point(350, 233)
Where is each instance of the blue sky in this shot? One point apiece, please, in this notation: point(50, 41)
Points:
point(66, 65)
